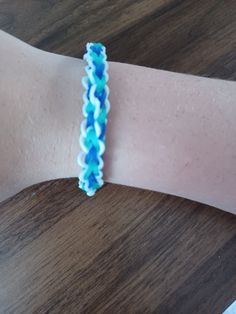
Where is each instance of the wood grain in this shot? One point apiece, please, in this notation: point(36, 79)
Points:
point(126, 250)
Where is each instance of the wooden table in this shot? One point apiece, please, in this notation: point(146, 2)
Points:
point(126, 250)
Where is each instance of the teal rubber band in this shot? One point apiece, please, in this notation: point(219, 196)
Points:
point(93, 127)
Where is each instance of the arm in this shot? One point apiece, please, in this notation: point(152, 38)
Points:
point(168, 132)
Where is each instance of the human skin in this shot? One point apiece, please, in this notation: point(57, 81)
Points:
point(167, 132)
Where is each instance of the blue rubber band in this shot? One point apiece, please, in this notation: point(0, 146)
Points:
point(93, 127)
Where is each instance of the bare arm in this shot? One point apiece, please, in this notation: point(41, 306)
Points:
point(167, 132)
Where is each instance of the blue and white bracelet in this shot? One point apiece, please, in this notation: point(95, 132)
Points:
point(95, 109)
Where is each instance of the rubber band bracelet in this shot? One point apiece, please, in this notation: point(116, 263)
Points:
point(93, 127)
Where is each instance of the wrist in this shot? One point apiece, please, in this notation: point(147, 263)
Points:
point(41, 111)
point(60, 117)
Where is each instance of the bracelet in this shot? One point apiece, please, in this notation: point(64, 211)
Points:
point(93, 127)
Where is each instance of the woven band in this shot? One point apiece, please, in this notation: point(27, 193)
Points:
point(93, 127)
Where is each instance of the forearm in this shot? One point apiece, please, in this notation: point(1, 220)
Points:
point(167, 132)
point(173, 133)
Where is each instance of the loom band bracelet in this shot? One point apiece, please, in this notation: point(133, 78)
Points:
point(99, 114)
point(84, 182)
point(95, 79)
point(99, 69)
point(87, 134)
point(92, 57)
point(95, 108)
point(90, 192)
point(85, 148)
point(84, 174)
point(83, 139)
point(85, 186)
point(93, 99)
point(95, 58)
point(97, 64)
point(97, 103)
point(81, 161)
point(96, 47)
